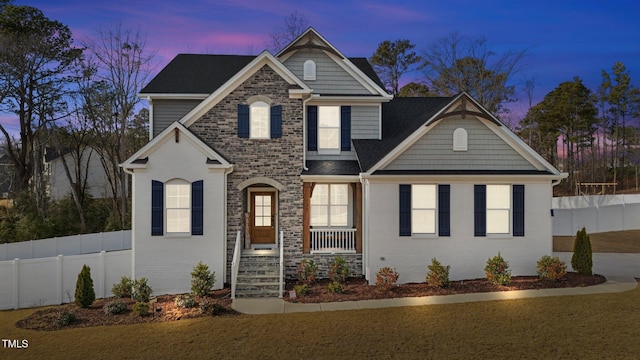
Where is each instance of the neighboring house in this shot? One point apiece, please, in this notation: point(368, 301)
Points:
point(92, 170)
point(308, 143)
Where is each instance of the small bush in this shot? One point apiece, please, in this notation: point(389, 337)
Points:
point(140, 309)
point(582, 259)
point(497, 270)
point(551, 268)
point(210, 307)
point(114, 307)
point(338, 270)
point(186, 301)
point(123, 289)
point(141, 290)
point(386, 278)
point(307, 271)
point(438, 275)
point(202, 280)
point(85, 295)
point(335, 287)
point(302, 290)
point(65, 318)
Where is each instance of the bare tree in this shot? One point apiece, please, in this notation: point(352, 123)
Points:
point(391, 60)
point(281, 36)
point(456, 63)
point(121, 65)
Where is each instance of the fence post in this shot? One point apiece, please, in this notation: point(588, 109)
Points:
point(16, 285)
point(101, 241)
point(102, 274)
point(59, 282)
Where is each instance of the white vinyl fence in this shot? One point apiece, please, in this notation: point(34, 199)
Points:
point(52, 280)
point(598, 213)
point(67, 245)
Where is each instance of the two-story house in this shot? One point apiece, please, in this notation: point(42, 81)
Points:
point(307, 147)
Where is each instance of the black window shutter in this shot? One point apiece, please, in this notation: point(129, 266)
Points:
point(197, 208)
point(243, 121)
point(405, 210)
point(276, 122)
point(312, 128)
point(480, 210)
point(345, 128)
point(518, 210)
point(157, 208)
point(444, 210)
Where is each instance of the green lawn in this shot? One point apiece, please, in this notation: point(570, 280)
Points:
point(584, 327)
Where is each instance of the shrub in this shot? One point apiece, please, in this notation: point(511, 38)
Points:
point(497, 271)
point(438, 275)
point(208, 306)
point(141, 291)
point(202, 280)
point(65, 318)
point(338, 270)
point(140, 309)
point(386, 278)
point(85, 295)
point(302, 290)
point(123, 289)
point(582, 261)
point(335, 287)
point(114, 307)
point(307, 271)
point(550, 268)
point(186, 301)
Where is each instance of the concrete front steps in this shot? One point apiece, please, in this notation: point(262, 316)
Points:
point(258, 274)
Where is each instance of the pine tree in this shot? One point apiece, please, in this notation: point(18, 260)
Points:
point(582, 261)
point(85, 295)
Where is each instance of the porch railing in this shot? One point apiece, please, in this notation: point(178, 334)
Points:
point(333, 241)
point(281, 290)
point(235, 264)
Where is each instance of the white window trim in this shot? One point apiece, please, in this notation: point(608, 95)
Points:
point(509, 210)
point(460, 140)
point(330, 151)
point(329, 205)
point(251, 128)
point(435, 212)
point(167, 208)
point(309, 70)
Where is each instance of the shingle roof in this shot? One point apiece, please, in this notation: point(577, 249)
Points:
point(203, 74)
point(332, 167)
point(400, 118)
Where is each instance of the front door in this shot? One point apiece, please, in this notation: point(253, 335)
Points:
point(263, 218)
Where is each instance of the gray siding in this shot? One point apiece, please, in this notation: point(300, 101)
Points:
point(486, 151)
point(365, 122)
point(165, 112)
point(330, 77)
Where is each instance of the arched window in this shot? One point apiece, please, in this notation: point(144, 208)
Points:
point(178, 206)
point(309, 70)
point(259, 120)
point(460, 140)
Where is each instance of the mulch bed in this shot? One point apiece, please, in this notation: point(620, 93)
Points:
point(354, 289)
point(358, 288)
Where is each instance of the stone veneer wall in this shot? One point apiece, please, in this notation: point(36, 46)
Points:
point(277, 159)
point(323, 260)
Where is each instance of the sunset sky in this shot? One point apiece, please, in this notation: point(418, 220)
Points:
point(563, 38)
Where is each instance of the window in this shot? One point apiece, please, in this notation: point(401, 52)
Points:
point(178, 208)
point(309, 70)
point(330, 205)
point(419, 204)
point(329, 128)
point(498, 209)
point(423, 209)
point(460, 140)
point(259, 120)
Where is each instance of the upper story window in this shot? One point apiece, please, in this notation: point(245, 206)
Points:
point(259, 120)
point(329, 128)
point(460, 140)
point(178, 208)
point(309, 70)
